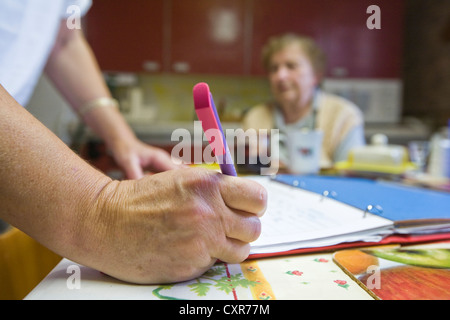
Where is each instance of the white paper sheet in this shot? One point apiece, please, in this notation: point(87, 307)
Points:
point(296, 218)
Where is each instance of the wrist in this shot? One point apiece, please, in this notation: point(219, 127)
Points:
point(103, 102)
point(103, 116)
point(110, 233)
point(95, 226)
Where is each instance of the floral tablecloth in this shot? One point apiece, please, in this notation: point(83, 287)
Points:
point(309, 276)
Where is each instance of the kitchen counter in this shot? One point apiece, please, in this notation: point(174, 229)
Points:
point(399, 133)
point(160, 133)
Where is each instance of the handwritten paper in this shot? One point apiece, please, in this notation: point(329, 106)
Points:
point(296, 218)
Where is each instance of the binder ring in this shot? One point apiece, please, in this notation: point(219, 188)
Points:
point(297, 183)
point(327, 193)
point(377, 209)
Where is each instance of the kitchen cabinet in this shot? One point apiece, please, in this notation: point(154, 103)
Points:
point(127, 35)
point(208, 36)
point(226, 36)
point(180, 36)
point(354, 50)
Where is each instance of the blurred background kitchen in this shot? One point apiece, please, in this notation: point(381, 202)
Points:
point(152, 52)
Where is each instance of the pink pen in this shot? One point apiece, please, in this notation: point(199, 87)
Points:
point(207, 114)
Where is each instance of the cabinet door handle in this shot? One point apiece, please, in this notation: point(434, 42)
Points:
point(151, 66)
point(181, 67)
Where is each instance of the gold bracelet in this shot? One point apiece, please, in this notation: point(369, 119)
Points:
point(97, 103)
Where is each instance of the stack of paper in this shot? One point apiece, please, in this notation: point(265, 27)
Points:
point(297, 218)
point(300, 217)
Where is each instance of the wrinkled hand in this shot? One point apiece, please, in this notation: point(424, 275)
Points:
point(173, 226)
point(135, 156)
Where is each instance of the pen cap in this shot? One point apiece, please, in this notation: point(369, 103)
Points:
point(206, 113)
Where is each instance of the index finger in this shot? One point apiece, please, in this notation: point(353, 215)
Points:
point(243, 194)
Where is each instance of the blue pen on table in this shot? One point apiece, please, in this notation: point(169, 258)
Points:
point(207, 114)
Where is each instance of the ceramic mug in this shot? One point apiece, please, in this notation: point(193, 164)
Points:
point(303, 151)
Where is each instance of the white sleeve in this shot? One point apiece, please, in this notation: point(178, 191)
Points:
point(83, 5)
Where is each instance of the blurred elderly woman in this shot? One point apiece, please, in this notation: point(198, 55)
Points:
point(295, 67)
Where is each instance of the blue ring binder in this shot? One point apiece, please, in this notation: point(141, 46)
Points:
point(398, 202)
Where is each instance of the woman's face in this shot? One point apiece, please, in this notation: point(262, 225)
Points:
point(292, 77)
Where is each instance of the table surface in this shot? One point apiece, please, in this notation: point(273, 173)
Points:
point(311, 276)
point(291, 277)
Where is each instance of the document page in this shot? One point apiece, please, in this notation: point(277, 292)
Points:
point(296, 218)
